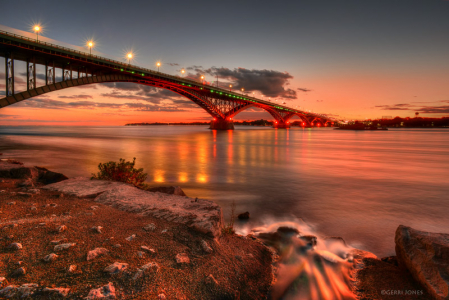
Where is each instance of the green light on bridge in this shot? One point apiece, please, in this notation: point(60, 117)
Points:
point(121, 70)
point(143, 74)
point(211, 91)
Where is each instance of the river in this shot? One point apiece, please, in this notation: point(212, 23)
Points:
point(359, 185)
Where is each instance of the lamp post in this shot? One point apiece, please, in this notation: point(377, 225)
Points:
point(243, 90)
point(130, 56)
point(36, 29)
point(90, 45)
point(158, 64)
point(202, 79)
point(230, 87)
point(182, 72)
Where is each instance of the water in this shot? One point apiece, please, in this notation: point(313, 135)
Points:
point(358, 185)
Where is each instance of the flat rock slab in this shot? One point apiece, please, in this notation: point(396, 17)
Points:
point(12, 170)
point(202, 215)
point(84, 187)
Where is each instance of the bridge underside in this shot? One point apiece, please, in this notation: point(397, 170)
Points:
point(78, 69)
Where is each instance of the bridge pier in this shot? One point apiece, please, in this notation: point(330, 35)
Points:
point(220, 124)
point(281, 125)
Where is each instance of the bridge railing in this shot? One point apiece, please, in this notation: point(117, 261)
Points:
point(140, 69)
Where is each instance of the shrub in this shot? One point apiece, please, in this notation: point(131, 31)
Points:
point(229, 228)
point(122, 171)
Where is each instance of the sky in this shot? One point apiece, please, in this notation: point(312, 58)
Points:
point(350, 59)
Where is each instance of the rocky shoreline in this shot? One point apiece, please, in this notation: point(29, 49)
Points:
point(92, 239)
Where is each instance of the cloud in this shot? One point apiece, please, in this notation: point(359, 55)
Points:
point(402, 106)
point(319, 100)
point(172, 64)
point(76, 97)
point(271, 83)
point(56, 104)
point(426, 109)
point(304, 90)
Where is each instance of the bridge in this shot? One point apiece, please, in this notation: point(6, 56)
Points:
point(220, 103)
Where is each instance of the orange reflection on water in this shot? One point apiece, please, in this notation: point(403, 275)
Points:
point(159, 176)
point(201, 178)
point(183, 177)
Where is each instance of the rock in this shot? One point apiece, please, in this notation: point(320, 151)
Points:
point(172, 190)
point(50, 257)
point(15, 246)
point(62, 292)
point(391, 260)
point(62, 228)
point(42, 224)
point(65, 246)
point(150, 227)
point(117, 246)
point(9, 291)
point(56, 242)
point(34, 191)
point(47, 177)
point(26, 183)
point(182, 258)
point(243, 216)
point(116, 268)
point(96, 229)
point(426, 256)
point(72, 269)
point(161, 297)
point(27, 289)
point(33, 208)
point(152, 266)
point(19, 272)
point(104, 292)
point(164, 231)
point(53, 205)
point(2, 280)
point(12, 203)
point(148, 249)
point(94, 207)
point(205, 246)
point(96, 252)
point(130, 238)
point(211, 281)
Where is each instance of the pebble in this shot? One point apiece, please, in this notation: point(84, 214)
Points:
point(117, 246)
point(149, 266)
point(104, 292)
point(51, 257)
point(65, 246)
point(34, 191)
point(161, 297)
point(130, 238)
point(94, 207)
point(182, 258)
point(72, 269)
point(56, 242)
point(33, 208)
point(62, 228)
point(205, 246)
point(19, 272)
point(42, 224)
point(25, 195)
point(140, 254)
point(150, 227)
point(2, 279)
point(53, 204)
point(210, 280)
point(96, 252)
point(12, 203)
point(164, 231)
point(15, 246)
point(116, 268)
point(96, 229)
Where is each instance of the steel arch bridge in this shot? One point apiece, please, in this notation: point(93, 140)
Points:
point(221, 104)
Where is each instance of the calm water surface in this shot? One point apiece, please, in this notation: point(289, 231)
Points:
point(358, 185)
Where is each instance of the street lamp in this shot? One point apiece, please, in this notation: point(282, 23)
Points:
point(130, 56)
point(37, 29)
point(158, 64)
point(182, 72)
point(202, 79)
point(90, 45)
point(230, 87)
point(243, 90)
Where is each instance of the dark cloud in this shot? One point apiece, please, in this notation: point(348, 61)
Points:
point(271, 83)
point(426, 109)
point(304, 90)
point(444, 109)
point(76, 97)
point(402, 106)
point(172, 64)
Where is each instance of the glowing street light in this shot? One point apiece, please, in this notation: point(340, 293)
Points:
point(158, 64)
point(202, 79)
point(182, 72)
point(230, 87)
point(37, 29)
point(130, 56)
point(90, 45)
point(243, 90)
point(253, 94)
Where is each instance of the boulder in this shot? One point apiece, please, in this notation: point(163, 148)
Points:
point(104, 292)
point(96, 252)
point(243, 216)
point(172, 190)
point(426, 257)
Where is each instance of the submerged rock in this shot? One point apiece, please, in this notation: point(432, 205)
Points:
point(243, 216)
point(426, 256)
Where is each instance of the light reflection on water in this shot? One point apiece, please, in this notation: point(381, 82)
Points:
point(359, 185)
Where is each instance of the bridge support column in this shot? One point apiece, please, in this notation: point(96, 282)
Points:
point(281, 125)
point(220, 124)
